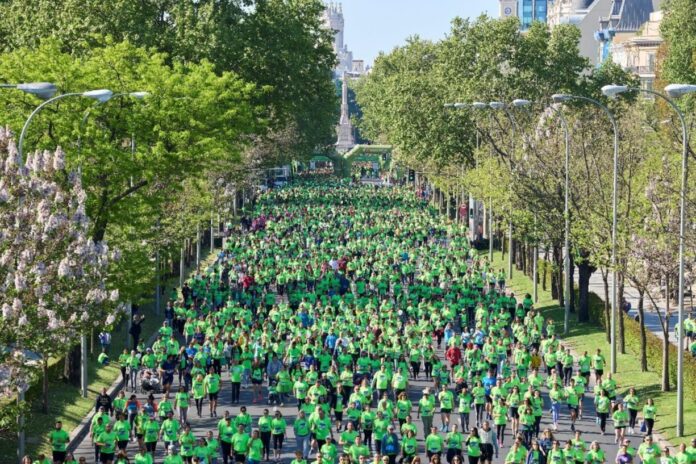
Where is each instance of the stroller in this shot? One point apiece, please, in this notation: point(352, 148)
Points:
point(150, 382)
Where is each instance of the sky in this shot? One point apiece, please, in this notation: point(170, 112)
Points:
point(372, 26)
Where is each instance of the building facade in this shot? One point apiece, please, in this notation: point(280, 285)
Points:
point(346, 67)
point(584, 14)
point(532, 10)
point(634, 46)
point(334, 20)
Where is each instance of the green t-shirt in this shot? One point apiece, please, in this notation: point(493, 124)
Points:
point(240, 442)
point(256, 449)
point(473, 447)
point(173, 459)
point(278, 426)
point(434, 443)
point(301, 427)
point(59, 440)
point(108, 440)
point(265, 423)
point(145, 458)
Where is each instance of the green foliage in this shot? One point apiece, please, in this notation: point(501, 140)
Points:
point(193, 120)
point(278, 45)
point(679, 31)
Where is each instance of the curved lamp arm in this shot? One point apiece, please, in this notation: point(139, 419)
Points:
point(101, 95)
point(31, 116)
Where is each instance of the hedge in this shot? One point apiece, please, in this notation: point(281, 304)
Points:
point(653, 348)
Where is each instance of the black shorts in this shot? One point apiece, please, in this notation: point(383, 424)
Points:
point(106, 457)
point(599, 372)
point(445, 410)
point(59, 456)
point(573, 408)
point(486, 452)
point(122, 444)
point(514, 413)
point(239, 457)
point(139, 436)
point(212, 396)
point(338, 415)
point(489, 399)
point(257, 381)
point(151, 446)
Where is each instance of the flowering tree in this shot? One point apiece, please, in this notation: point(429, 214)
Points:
point(653, 259)
point(52, 276)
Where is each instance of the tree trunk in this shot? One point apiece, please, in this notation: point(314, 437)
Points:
point(665, 342)
point(620, 314)
point(607, 314)
point(572, 283)
point(643, 335)
point(44, 387)
point(545, 263)
point(557, 283)
point(585, 271)
point(557, 275)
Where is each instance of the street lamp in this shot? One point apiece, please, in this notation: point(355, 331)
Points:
point(101, 95)
point(42, 90)
point(673, 91)
point(522, 103)
point(498, 106)
point(566, 215)
point(561, 98)
point(483, 106)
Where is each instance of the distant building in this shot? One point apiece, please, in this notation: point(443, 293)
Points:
point(508, 8)
point(630, 44)
point(585, 15)
point(346, 67)
point(533, 10)
point(333, 20)
point(358, 67)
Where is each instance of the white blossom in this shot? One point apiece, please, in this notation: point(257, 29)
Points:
point(64, 268)
point(59, 159)
point(113, 295)
point(20, 282)
point(7, 312)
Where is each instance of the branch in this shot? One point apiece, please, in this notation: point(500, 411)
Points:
point(128, 191)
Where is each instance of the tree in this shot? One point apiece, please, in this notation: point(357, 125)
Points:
point(193, 120)
point(53, 275)
point(280, 46)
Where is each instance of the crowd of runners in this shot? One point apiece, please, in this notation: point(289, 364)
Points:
point(390, 339)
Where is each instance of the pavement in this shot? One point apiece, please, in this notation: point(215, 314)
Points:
point(652, 319)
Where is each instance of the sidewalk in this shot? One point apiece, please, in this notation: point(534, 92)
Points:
point(652, 320)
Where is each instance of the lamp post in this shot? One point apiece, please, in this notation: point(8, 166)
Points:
point(521, 103)
point(473, 217)
point(561, 98)
point(496, 105)
point(483, 106)
point(101, 95)
point(673, 91)
point(566, 215)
